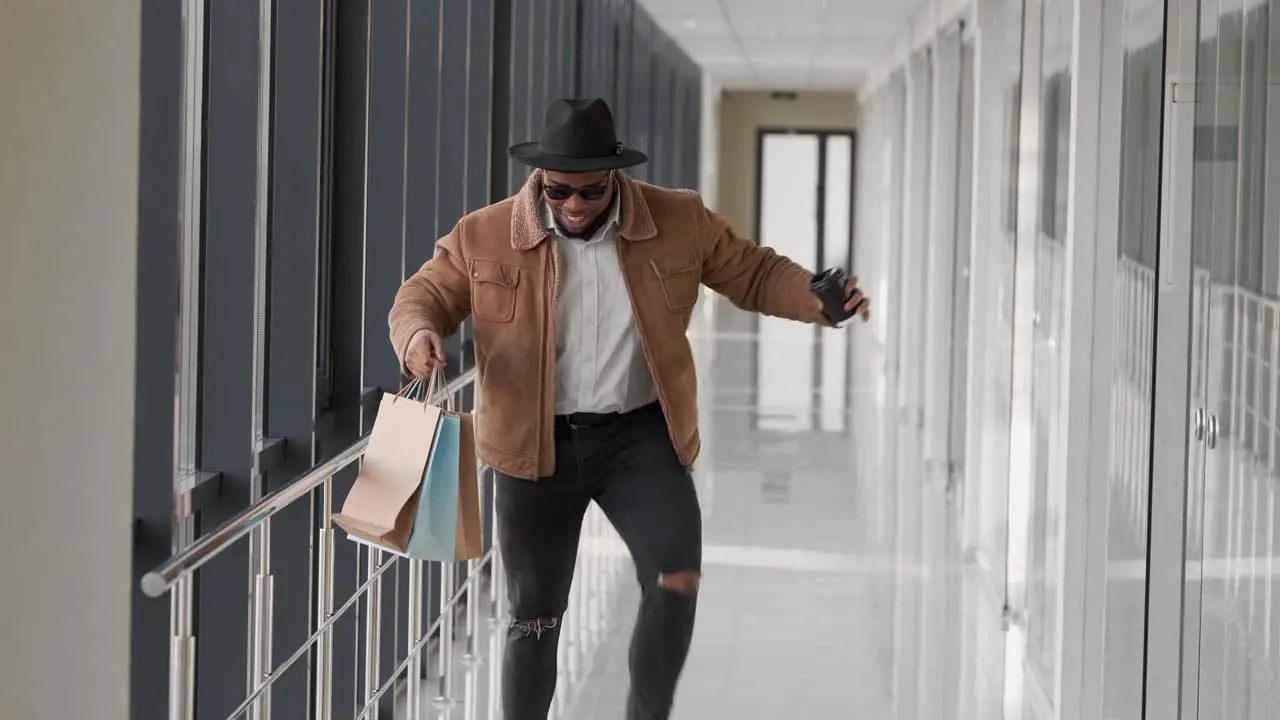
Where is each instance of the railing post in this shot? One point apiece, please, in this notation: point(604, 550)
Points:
point(182, 642)
point(496, 572)
point(260, 660)
point(472, 654)
point(448, 584)
point(497, 644)
point(497, 617)
point(182, 655)
point(413, 679)
point(323, 700)
point(373, 628)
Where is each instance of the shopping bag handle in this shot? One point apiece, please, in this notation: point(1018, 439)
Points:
point(411, 391)
point(437, 384)
point(415, 390)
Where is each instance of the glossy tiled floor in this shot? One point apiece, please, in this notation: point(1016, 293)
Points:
point(793, 614)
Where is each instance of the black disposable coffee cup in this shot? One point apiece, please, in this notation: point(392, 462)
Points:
point(831, 288)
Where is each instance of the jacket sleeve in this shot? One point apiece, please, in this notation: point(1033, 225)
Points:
point(753, 277)
point(436, 298)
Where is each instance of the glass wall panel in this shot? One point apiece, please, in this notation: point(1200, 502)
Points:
point(1048, 349)
point(1232, 606)
point(908, 412)
point(960, 304)
point(1215, 245)
point(991, 344)
point(1135, 237)
point(877, 187)
point(940, 551)
point(988, 383)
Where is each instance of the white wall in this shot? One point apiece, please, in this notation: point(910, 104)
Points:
point(68, 240)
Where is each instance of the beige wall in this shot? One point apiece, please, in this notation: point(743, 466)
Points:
point(742, 113)
point(68, 258)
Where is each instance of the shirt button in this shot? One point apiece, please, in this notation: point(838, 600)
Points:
point(475, 274)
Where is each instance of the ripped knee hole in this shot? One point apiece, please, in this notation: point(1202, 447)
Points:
point(534, 628)
point(684, 582)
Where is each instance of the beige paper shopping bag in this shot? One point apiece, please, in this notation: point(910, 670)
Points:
point(384, 499)
point(470, 542)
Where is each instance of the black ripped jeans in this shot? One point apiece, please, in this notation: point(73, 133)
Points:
point(627, 465)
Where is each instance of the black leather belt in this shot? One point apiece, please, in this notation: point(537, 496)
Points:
point(587, 419)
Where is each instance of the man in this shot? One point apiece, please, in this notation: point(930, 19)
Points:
point(580, 289)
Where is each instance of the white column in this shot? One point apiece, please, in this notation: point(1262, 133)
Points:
point(940, 258)
point(709, 185)
point(68, 244)
point(709, 142)
point(1084, 409)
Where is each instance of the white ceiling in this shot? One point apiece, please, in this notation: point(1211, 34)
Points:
point(785, 44)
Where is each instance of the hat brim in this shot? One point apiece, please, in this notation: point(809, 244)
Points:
point(531, 154)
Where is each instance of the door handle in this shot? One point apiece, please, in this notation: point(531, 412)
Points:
point(1211, 431)
point(1198, 423)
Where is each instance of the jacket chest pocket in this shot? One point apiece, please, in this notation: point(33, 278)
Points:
point(678, 274)
point(493, 290)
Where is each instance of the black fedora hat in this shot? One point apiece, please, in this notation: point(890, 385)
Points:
point(579, 137)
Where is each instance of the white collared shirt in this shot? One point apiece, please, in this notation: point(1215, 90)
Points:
point(600, 363)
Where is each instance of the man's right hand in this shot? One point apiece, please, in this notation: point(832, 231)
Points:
point(424, 354)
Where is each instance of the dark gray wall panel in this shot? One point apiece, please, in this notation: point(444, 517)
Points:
point(451, 183)
point(555, 50)
point(450, 191)
point(384, 249)
point(523, 128)
point(226, 383)
point(157, 311)
point(384, 184)
point(541, 69)
point(351, 81)
point(500, 93)
point(479, 102)
point(299, 58)
point(423, 133)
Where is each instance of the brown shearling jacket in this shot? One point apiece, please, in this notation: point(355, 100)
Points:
point(498, 267)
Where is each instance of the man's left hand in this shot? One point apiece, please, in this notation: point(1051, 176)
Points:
point(856, 301)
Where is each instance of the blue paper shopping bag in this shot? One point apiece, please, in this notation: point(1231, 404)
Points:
point(435, 529)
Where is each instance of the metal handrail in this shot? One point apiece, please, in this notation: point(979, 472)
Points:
point(160, 580)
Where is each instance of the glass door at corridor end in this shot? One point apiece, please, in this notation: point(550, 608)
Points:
point(1231, 623)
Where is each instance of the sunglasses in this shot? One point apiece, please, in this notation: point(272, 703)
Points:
point(590, 193)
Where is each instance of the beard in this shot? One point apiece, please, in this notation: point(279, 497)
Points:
point(590, 228)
